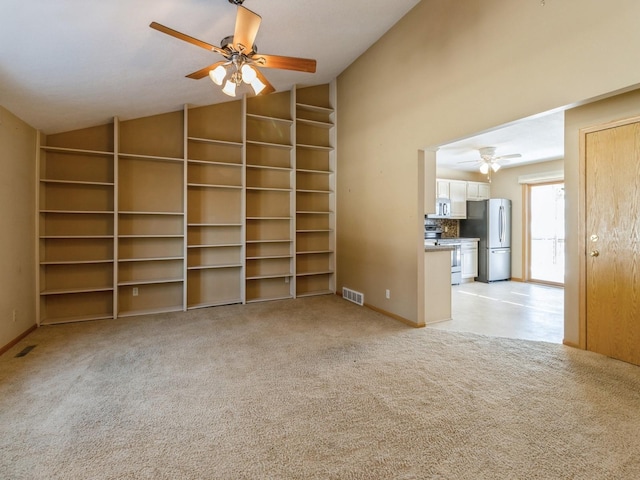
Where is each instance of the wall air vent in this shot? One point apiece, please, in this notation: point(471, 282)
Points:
point(353, 296)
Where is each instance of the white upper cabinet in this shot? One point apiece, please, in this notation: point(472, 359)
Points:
point(442, 188)
point(456, 191)
point(478, 191)
point(458, 196)
point(459, 191)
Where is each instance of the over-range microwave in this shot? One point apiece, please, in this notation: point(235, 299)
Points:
point(443, 209)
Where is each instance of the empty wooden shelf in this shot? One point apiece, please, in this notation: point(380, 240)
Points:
point(205, 206)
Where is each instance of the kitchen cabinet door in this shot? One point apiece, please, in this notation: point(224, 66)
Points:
point(469, 262)
point(484, 191)
point(442, 188)
point(458, 196)
point(478, 191)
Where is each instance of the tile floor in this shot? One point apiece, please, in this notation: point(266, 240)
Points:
point(507, 309)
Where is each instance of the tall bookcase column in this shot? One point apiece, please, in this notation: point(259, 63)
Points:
point(150, 198)
point(269, 213)
point(76, 225)
point(215, 205)
point(315, 190)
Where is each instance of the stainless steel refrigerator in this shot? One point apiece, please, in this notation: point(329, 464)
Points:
point(490, 221)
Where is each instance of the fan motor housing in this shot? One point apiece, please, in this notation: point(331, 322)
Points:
point(228, 41)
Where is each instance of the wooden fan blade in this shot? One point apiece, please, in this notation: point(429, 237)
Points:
point(286, 63)
point(203, 72)
point(187, 38)
point(268, 88)
point(247, 25)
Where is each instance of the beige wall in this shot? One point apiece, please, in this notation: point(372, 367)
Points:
point(505, 185)
point(605, 111)
point(461, 68)
point(17, 207)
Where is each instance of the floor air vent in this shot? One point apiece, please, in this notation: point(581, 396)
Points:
point(25, 351)
point(353, 296)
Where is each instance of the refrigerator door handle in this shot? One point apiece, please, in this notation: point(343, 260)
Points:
point(504, 225)
point(500, 223)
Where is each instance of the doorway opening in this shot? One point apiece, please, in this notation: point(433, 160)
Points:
point(517, 308)
point(546, 235)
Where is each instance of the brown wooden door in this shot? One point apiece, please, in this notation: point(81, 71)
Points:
point(612, 165)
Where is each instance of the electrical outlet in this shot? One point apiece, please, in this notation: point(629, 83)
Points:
point(446, 229)
point(135, 291)
point(387, 293)
point(286, 279)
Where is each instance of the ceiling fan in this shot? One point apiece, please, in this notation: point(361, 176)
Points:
point(241, 59)
point(489, 162)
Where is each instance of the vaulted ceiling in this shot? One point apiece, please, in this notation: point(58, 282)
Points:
point(68, 64)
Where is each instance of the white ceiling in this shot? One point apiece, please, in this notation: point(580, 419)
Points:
point(537, 139)
point(67, 64)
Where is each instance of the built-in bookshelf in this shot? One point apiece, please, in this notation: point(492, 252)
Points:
point(150, 248)
point(215, 199)
point(269, 198)
point(76, 225)
point(206, 206)
point(315, 191)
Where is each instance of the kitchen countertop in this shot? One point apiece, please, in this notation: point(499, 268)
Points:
point(458, 239)
point(445, 243)
point(437, 248)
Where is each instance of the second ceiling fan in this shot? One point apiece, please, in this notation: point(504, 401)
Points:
point(242, 61)
point(489, 162)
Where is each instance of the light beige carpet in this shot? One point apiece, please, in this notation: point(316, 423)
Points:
point(314, 388)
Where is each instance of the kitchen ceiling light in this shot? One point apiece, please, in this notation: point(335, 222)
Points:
point(489, 162)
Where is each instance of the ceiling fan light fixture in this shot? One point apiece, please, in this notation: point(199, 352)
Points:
point(484, 168)
point(229, 88)
point(248, 73)
point(217, 74)
point(240, 53)
point(257, 86)
point(495, 166)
